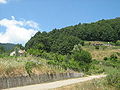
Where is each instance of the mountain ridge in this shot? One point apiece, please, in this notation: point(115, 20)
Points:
point(7, 46)
point(63, 40)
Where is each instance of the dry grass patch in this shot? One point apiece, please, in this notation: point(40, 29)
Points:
point(99, 54)
point(11, 66)
point(97, 84)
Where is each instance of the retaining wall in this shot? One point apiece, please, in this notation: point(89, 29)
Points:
point(10, 82)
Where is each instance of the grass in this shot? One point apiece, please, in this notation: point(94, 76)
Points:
point(11, 66)
point(96, 84)
point(104, 51)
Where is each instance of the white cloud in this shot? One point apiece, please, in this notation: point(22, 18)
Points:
point(17, 31)
point(3, 1)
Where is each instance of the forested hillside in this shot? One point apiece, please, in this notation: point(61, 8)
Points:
point(63, 40)
point(7, 46)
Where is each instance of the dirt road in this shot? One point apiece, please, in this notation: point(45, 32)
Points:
point(56, 84)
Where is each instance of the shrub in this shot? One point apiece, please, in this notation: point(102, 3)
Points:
point(35, 52)
point(28, 66)
point(118, 53)
point(48, 56)
point(105, 58)
point(118, 43)
point(51, 62)
point(94, 61)
point(74, 65)
point(1, 56)
point(97, 47)
point(96, 69)
point(113, 57)
point(82, 42)
point(82, 56)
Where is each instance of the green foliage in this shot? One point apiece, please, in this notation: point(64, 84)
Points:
point(2, 49)
point(97, 47)
point(112, 61)
point(113, 43)
point(113, 57)
point(29, 66)
point(112, 68)
point(63, 40)
point(82, 56)
point(39, 41)
point(82, 42)
point(65, 61)
point(78, 60)
point(7, 46)
point(77, 48)
point(118, 43)
point(96, 67)
point(62, 47)
point(64, 44)
point(114, 78)
point(2, 55)
point(35, 52)
point(19, 46)
point(105, 58)
point(74, 65)
point(118, 53)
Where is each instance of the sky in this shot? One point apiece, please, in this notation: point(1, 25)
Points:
point(21, 19)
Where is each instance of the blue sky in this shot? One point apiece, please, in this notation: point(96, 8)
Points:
point(50, 14)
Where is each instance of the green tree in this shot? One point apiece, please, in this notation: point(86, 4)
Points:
point(63, 40)
point(83, 57)
point(2, 49)
point(118, 43)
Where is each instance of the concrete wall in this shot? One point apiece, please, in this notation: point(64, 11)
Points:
point(34, 79)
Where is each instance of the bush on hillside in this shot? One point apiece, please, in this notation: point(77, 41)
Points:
point(113, 57)
point(83, 57)
point(97, 47)
point(29, 66)
point(35, 52)
point(117, 43)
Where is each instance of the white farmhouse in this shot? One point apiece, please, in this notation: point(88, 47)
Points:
point(20, 53)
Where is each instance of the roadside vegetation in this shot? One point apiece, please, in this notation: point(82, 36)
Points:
point(22, 66)
point(81, 60)
point(96, 84)
point(92, 48)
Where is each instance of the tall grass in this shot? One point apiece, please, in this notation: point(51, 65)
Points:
point(12, 66)
point(96, 84)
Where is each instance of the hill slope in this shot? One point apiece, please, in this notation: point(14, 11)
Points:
point(63, 40)
point(7, 46)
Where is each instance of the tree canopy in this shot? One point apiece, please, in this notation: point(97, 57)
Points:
point(63, 40)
